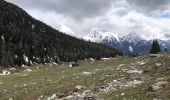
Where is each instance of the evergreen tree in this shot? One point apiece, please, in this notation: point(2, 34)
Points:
point(155, 47)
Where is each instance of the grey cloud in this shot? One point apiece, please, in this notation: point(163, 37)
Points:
point(149, 5)
point(76, 9)
point(122, 12)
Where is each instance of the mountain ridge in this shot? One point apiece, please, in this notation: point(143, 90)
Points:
point(131, 43)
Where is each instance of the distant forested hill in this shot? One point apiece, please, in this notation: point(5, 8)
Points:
point(24, 40)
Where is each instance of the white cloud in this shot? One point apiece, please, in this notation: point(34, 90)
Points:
point(134, 21)
point(146, 17)
point(51, 18)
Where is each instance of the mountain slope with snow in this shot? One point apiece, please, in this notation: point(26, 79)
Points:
point(131, 43)
point(67, 30)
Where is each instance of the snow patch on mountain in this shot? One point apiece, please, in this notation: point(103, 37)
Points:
point(131, 48)
point(67, 30)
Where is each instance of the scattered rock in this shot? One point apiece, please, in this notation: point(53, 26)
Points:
point(24, 85)
point(70, 97)
point(24, 66)
point(61, 95)
point(121, 65)
point(142, 63)
point(79, 87)
point(12, 69)
point(5, 90)
point(50, 64)
point(154, 88)
point(54, 96)
point(122, 94)
point(28, 70)
point(53, 64)
point(157, 86)
point(96, 69)
point(118, 67)
point(119, 84)
point(92, 60)
point(33, 83)
point(10, 99)
point(5, 72)
point(62, 77)
point(105, 58)
point(85, 95)
point(88, 95)
point(133, 83)
point(160, 79)
point(158, 64)
point(157, 99)
point(73, 64)
point(24, 75)
point(86, 73)
point(107, 76)
point(40, 97)
point(108, 87)
point(155, 55)
point(133, 64)
point(160, 83)
point(1, 82)
point(134, 71)
point(70, 65)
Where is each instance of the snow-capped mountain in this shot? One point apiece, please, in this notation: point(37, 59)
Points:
point(131, 43)
point(98, 36)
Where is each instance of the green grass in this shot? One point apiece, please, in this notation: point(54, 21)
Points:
point(62, 79)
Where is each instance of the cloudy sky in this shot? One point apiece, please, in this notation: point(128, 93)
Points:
point(117, 16)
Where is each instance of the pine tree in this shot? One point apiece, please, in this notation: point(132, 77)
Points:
point(155, 47)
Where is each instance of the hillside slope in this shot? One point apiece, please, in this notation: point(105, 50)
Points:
point(25, 40)
point(122, 78)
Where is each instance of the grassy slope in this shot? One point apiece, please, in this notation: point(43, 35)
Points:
point(62, 79)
